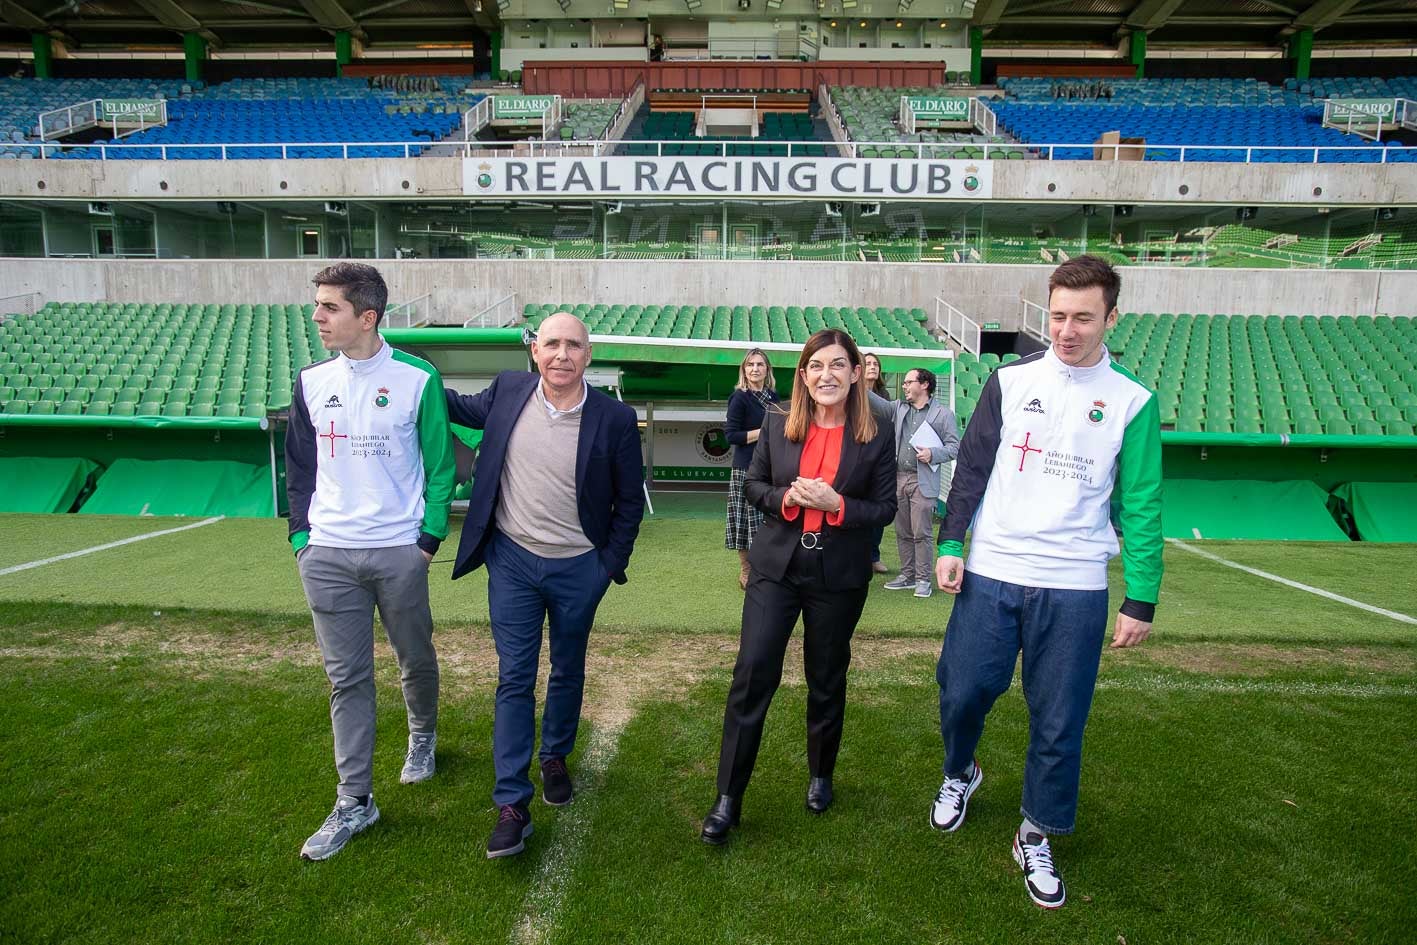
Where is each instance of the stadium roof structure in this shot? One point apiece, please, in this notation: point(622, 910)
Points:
point(157, 25)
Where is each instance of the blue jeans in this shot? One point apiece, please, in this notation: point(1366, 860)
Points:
point(523, 589)
point(1060, 633)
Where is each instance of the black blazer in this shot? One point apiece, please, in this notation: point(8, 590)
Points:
point(609, 470)
point(865, 478)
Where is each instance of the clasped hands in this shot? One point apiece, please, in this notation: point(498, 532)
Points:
point(813, 494)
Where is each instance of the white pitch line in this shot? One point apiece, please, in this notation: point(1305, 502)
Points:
point(112, 544)
point(1404, 618)
point(542, 906)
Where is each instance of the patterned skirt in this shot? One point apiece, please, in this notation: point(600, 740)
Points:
point(743, 519)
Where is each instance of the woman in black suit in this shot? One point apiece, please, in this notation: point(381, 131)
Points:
point(823, 475)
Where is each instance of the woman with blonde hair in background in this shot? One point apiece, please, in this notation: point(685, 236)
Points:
point(756, 389)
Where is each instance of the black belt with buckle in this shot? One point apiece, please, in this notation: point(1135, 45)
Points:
point(812, 541)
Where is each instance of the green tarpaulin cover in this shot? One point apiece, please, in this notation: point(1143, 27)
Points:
point(1382, 511)
point(182, 487)
point(42, 484)
point(1294, 510)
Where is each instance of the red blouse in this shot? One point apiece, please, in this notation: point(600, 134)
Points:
point(820, 456)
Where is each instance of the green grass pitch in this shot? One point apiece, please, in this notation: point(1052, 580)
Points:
point(1248, 773)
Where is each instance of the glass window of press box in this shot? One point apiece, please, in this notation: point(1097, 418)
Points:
point(939, 232)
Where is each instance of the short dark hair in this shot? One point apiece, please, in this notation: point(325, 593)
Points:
point(1086, 272)
point(926, 377)
point(362, 285)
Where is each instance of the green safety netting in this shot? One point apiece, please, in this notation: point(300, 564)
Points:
point(183, 487)
point(1293, 510)
point(42, 484)
point(1382, 511)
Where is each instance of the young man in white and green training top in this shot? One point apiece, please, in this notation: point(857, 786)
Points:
point(1054, 436)
point(369, 475)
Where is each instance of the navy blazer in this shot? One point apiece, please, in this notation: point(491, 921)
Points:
point(865, 479)
point(609, 469)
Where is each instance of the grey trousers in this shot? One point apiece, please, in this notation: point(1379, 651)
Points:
point(343, 586)
point(914, 514)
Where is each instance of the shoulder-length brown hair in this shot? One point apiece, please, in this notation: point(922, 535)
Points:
point(859, 419)
point(769, 382)
point(878, 386)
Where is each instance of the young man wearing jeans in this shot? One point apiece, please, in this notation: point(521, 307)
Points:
point(369, 474)
point(1052, 437)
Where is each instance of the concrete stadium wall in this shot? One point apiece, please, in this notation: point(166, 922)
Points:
point(460, 288)
point(1041, 182)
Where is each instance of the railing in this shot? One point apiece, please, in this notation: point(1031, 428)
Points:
point(1406, 114)
point(629, 105)
point(833, 120)
point(939, 150)
point(62, 121)
point(983, 117)
point(25, 303)
point(1032, 310)
point(958, 326)
point(214, 152)
point(506, 309)
point(476, 118)
point(84, 115)
point(142, 123)
point(415, 312)
point(787, 48)
point(551, 117)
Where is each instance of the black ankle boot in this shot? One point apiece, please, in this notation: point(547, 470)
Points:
point(819, 795)
point(720, 820)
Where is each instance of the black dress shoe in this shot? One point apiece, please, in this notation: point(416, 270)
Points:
point(720, 820)
point(819, 795)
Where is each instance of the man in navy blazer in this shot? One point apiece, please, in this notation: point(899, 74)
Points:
point(555, 509)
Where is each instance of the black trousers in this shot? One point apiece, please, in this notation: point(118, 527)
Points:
point(770, 611)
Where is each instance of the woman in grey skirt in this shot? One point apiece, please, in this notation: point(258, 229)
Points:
point(756, 389)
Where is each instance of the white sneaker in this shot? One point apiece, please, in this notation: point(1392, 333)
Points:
point(1040, 876)
point(347, 819)
point(418, 764)
point(948, 811)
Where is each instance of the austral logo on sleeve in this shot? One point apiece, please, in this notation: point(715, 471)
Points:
point(788, 178)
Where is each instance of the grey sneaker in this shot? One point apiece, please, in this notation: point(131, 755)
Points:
point(901, 583)
point(923, 589)
point(347, 819)
point(418, 763)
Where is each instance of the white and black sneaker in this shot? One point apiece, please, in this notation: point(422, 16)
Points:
point(1040, 876)
point(947, 813)
point(419, 763)
point(347, 819)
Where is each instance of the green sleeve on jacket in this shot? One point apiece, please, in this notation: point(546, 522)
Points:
point(436, 443)
point(953, 549)
point(1139, 487)
point(299, 540)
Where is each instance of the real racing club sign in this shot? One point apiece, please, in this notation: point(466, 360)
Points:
point(715, 177)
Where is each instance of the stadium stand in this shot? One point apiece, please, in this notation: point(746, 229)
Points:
point(869, 115)
point(114, 359)
point(1222, 113)
point(878, 327)
point(778, 129)
point(417, 110)
point(585, 121)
